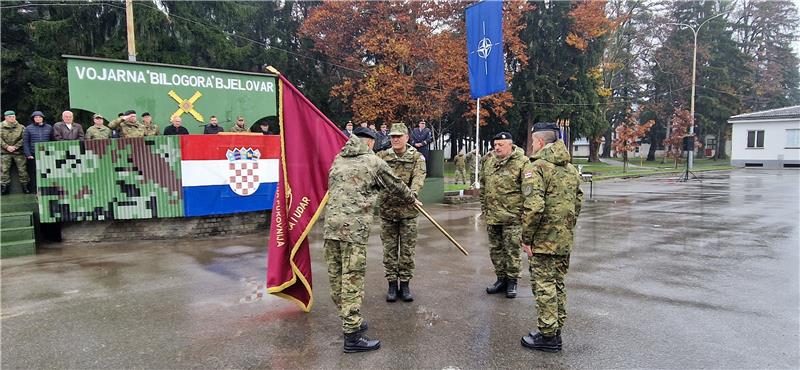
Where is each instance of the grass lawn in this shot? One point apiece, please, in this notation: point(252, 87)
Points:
point(603, 171)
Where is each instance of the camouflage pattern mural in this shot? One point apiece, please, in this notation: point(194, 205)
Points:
point(109, 179)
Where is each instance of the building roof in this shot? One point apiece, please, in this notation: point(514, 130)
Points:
point(779, 113)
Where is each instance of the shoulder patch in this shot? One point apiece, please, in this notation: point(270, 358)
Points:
point(528, 174)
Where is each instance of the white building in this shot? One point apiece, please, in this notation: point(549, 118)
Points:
point(767, 139)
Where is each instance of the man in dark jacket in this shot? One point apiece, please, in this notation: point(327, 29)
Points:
point(421, 137)
point(213, 127)
point(36, 132)
point(175, 128)
point(382, 141)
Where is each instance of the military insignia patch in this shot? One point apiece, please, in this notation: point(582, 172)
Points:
point(527, 190)
point(528, 174)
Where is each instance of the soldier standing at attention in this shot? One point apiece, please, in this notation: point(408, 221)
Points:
point(461, 167)
point(471, 164)
point(553, 198)
point(421, 137)
point(11, 135)
point(98, 130)
point(501, 203)
point(150, 128)
point(354, 180)
point(398, 216)
point(127, 125)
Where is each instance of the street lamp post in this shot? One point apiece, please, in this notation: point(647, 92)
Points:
point(694, 74)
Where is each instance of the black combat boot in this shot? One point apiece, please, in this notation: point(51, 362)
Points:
point(511, 288)
point(26, 188)
point(558, 335)
point(540, 342)
point(405, 292)
point(391, 295)
point(358, 342)
point(498, 286)
point(4, 189)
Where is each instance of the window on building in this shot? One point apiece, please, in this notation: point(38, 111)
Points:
point(793, 138)
point(755, 139)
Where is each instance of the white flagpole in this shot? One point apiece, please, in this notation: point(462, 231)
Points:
point(477, 141)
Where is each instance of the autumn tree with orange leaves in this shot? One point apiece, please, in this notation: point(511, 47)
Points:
point(406, 60)
point(629, 135)
point(678, 129)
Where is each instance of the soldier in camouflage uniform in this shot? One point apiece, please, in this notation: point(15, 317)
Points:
point(11, 133)
point(470, 159)
point(553, 198)
point(398, 216)
point(461, 167)
point(354, 180)
point(150, 128)
point(501, 203)
point(239, 125)
point(127, 125)
point(98, 130)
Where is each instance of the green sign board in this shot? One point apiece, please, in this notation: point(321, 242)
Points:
point(109, 87)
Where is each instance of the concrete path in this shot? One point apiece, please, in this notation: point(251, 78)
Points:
point(663, 275)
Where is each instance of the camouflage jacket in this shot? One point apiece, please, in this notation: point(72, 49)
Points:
point(98, 132)
point(410, 168)
point(127, 129)
point(355, 178)
point(501, 187)
point(236, 128)
point(460, 161)
point(11, 134)
point(553, 200)
point(151, 129)
point(470, 159)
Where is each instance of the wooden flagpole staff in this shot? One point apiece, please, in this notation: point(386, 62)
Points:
point(421, 210)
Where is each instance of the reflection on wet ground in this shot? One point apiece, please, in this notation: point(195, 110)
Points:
point(664, 274)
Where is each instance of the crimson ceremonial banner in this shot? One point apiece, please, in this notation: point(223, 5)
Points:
point(309, 143)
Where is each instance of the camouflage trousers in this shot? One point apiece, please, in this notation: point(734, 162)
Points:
point(399, 239)
point(347, 264)
point(461, 173)
point(22, 170)
point(505, 249)
point(547, 283)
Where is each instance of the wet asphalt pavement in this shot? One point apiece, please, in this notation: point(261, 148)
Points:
point(663, 275)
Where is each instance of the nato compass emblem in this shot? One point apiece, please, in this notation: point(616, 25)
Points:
point(242, 170)
point(485, 49)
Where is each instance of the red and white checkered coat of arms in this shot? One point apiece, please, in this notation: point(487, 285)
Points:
point(243, 170)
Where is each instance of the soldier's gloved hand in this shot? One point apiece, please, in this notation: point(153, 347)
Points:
point(527, 249)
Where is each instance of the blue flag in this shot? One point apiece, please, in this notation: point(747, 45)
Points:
point(485, 48)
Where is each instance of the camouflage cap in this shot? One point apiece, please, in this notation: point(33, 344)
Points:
point(97, 116)
point(398, 128)
point(502, 136)
point(545, 126)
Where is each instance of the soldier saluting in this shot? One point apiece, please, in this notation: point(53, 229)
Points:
point(354, 180)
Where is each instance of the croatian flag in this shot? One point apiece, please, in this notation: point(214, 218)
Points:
point(228, 173)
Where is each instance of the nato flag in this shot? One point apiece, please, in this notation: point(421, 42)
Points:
point(485, 48)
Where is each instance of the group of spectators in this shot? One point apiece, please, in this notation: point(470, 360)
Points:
point(420, 137)
point(19, 140)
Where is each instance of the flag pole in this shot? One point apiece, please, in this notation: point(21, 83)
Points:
point(446, 234)
point(477, 184)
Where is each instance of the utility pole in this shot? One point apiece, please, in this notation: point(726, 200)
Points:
point(131, 36)
point(694, 79)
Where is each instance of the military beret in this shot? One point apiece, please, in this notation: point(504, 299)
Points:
point(129, 112)
point(37, 113)
point(9, 113)
point(364, 132)
point(398, 129)
point(145, 114)
point(502, 136)
point(545, 126)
